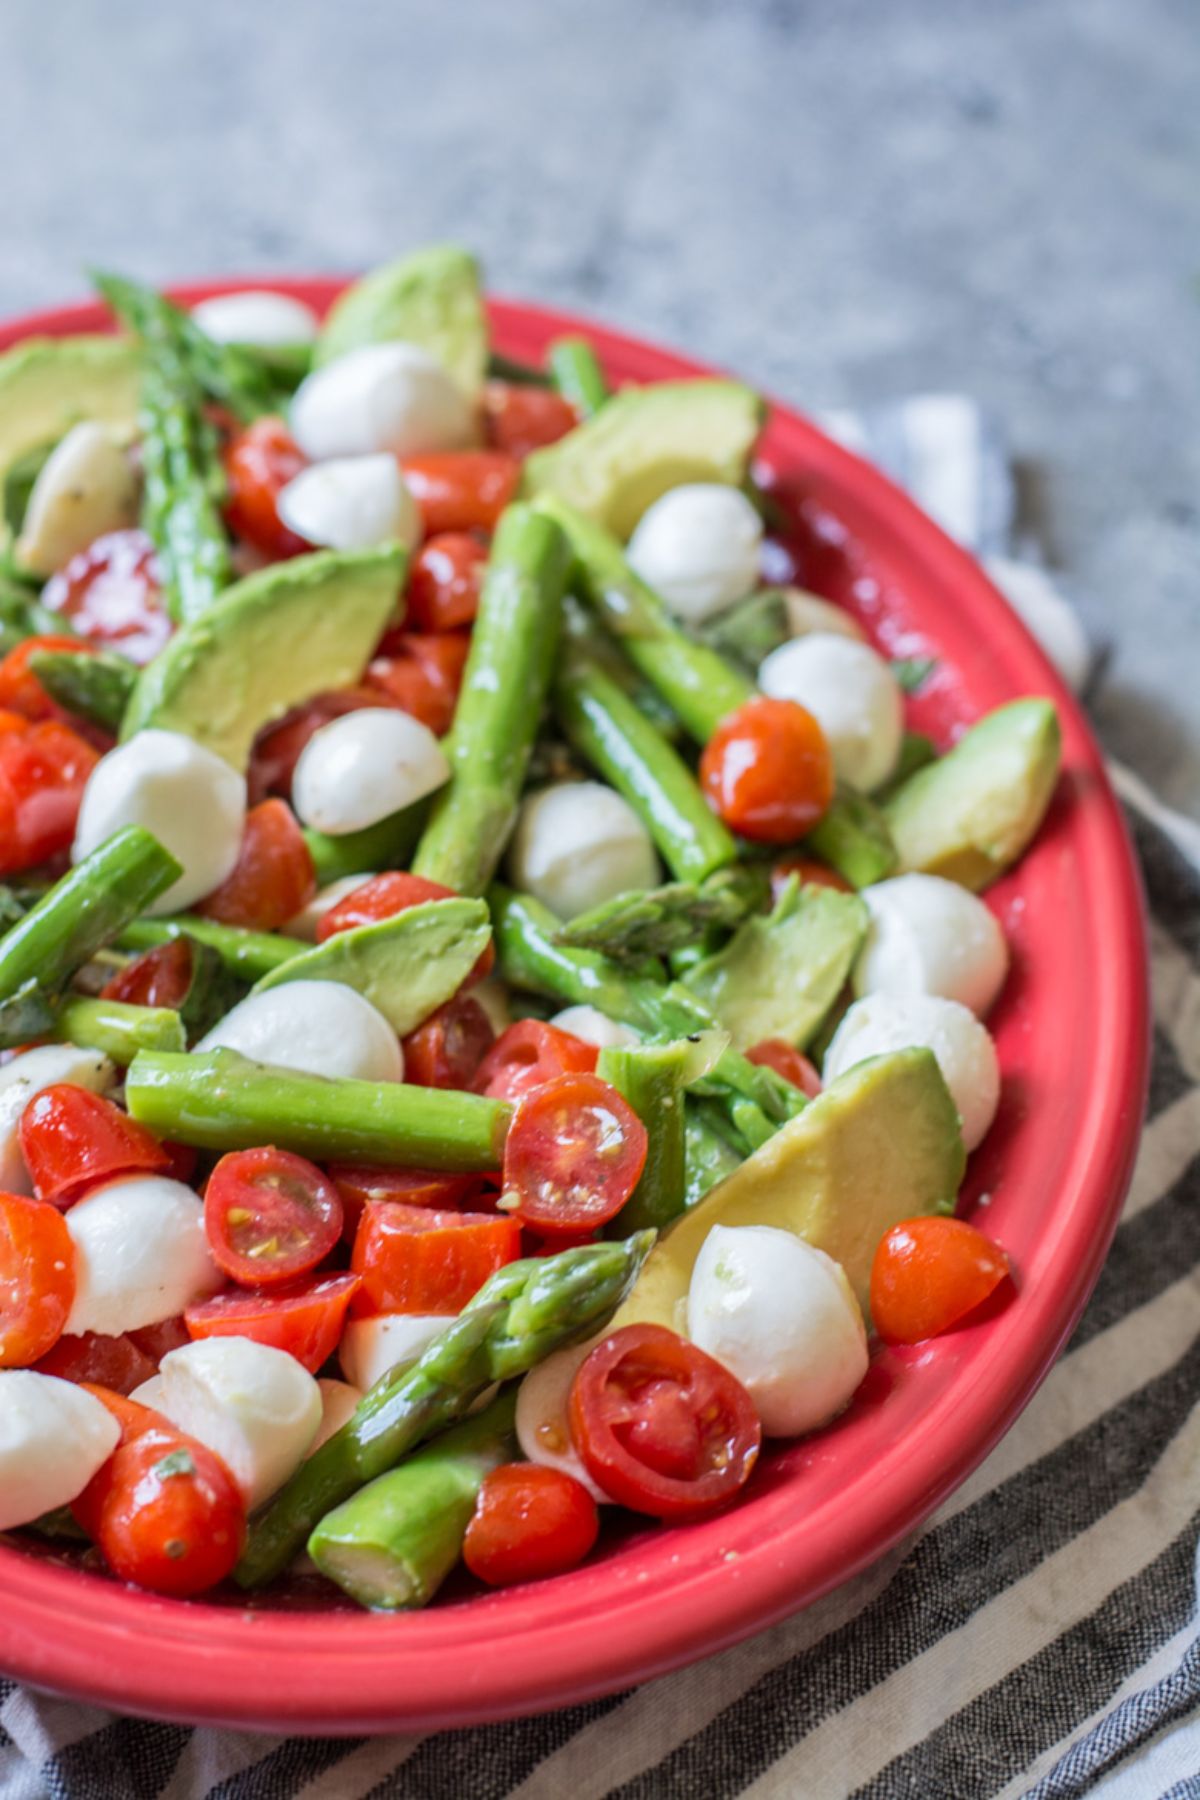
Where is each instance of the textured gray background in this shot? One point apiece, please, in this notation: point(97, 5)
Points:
point(845, 201)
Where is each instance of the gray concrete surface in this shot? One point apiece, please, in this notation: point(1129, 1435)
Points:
point(844, 201)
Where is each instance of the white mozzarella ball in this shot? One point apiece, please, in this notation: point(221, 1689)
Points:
point(339, 1401)
point(256, 316)
point(140, 1255)
point(588, 1023)
point(393, 397)
point(192, 801)
point(370, 1347)
point(782, 1317)
point(255, 1407)
point(54, 1436)
point(807, 613)
point(966, 1055)
point(304, 923)
point(852, 694)
point(930, 936)
point(351, 503)
point(579, 844)
point(86, 487)
point(25, 1076)
point(543, 1431)
point(317, 1027)
point(698, 547)
point(150, 1393)
point(360, 768)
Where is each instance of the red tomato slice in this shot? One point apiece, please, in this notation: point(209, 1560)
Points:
point(382, 897)
point(37, 1279)
point(574, 1154)
point(157, 1341)
point(422, 673)
point(273, 876)
point(445, 582)
point(43, 772)
point(412, 1187)
point(71, 1139)
point(414, 1260)
point(446, 1051)
point(810, 871)
point(305, 1318)
point(929, 1273)
point(159, 977)
point(660, 1426)
point(528, 1055)
point(774, 1053)
point(461, 490)
point(270, 1216)
point(277, 748)
point(259, 463)
point(113, 1362)
point(767, 771)
point(529, 1521)
point(520, 418)
point(20, 689)
point(112, 595)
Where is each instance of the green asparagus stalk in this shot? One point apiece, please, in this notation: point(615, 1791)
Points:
point(183, 484)
point(248, 954)
point(235, 375)
point(854, 839)
point(22, 614)
point(393, 1543)
point(119, 1030)
point(96, 687)
point(653, 1078)
point(709, 1155)
point(387, 845)
point(661, 921)
point(747, 632)
point(576, 373)
point(507, 676)
point(520, 374)
point(520, 1316)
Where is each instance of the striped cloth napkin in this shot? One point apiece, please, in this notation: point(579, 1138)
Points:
point(1039, 1637)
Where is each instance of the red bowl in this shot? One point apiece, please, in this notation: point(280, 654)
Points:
point(1048, 1183)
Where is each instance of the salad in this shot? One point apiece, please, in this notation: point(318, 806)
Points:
point(491, 992)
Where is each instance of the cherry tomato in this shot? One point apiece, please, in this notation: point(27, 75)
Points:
point(461, 490)
point(305, 1318)
point(158, 977)
point(529, 1521)
point(20, 689)
point(277, 749)
point(37, 1279)
point(414, 1260)
point(157, 1341)
point(811, 872)
point(520, 418)
point(445, 582)
point(117, 1363)
point(273, 876)
point(259, 463)
point(660, 1426)
point(446, 1051)
point(270, 1216)
point(774, 1053)
point(43, 772)
point(529, 1054)
point(767, 771)
point(574, 1154)
point(112, 595)
point(382, 897)
point(928, 1273)
point(412, 1187)
point(72, 1138)
point(422, 674)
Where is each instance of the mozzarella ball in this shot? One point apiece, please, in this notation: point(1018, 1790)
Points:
point(351, 503)
point(54, 1436)
point(965, 1053)
point(256, 316)
point(593, 1027)
point(86, 487)
point(192, 801)
point(25, 1076)
point(370, 1347)
point(852, 694)
point(318, 1027)
point(393, 397)
point(542, 1412)
point(364, 766)
point(579, 844)
point(140, 1255)
point(339, 1402)
point(255, 1407)
point(150, 1393)
point(929, 936)
point(304, 923)
point(807, 613)
point(782, 1317)
point(698, 547)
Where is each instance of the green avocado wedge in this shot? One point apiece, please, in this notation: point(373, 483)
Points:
point(432, 298)
point(49, 384)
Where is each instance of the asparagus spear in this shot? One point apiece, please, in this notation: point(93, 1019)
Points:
point(95, 687)
point(247, 954)
point(709, 1156)
point(577, 375)
point(747, 632)
point(653, 1078)
point(23, 615)
point(518, 1317)
point(235, 375)
point(520, 374)
point(182, 484)
point(393, 1543)
point(507, 675)
point(854, 839)
point(663, 920)
point(387, 845)
point(120, 1031)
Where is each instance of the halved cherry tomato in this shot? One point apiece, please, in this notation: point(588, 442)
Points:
point(574, 1154)
point(767, 771)
point(112, 595)
point(277, 749)
point(461, 490)
point(270, 1216)
point(445, 582)
point(72, 1138)
point(422, 673)
point(774, 1053)
point(519, 418)
point(928, 1273)
point(529, 1521)
point(528, 1055)
point(305, 1318)
point(43, 772)
point(411, 1187)
point(164, 1510)
point(259, 463)
point(20, 689)
point(114, 1362)
point(414, 1260)
point(37, 1279)
point(661, 1426)
point(158, 977)
point(382, 897)
point(446, 1051)
point(810, 871)
point(157, 1341)
point(273, 876)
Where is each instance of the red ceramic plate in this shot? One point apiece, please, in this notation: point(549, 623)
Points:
point(1048, 1183)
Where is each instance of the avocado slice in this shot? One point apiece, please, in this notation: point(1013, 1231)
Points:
point(969, 816)
point(881, 1144)
point(431, 298)
point(780, 972)
point(646, 440)
point(407, 966)
point(270, 641)
point(49, 384)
